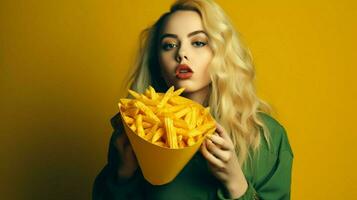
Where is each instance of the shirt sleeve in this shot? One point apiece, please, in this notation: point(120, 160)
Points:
point(108, 187)
point(250, 194)
point(107, 184)
point(275, 184)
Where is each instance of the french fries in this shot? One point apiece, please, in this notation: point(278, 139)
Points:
point(166, 119)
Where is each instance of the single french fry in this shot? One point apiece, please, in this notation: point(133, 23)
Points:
point(125, 102)
point(134, 94)
point(178, 92)
point(175, 108)
point(193, 121)
point(161, 144)
point(151, 133)
point(168, 129)
point(162, 112)
point(182, 144)
point(183, 132)
point(182, 112)
point(198, 137)
point(206, 110)
point(139, 125)
point(194, 132)
point(133, 127)
point(179, 100)
point(131, 112)
point(206, 119)
point(151, 120)
point(206, 126)
point(154, 109)
point(179, 138)
point(190, 141)
point(148, 101)
point(171, 133)
point(128, 120)
point(165, 112)
point(187, 118)
point(201, 129)
point(166, 97)
point(148, 137)
point(146, 124)
point(146, 110)
point(158, 134)
point(199, 120)
point(211, 131)
point(154, 95)
point(180, 123)
point(175, 101)
point(146, 132)
point(147, 93)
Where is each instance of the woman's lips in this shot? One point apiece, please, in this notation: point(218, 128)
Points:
point(183, 72)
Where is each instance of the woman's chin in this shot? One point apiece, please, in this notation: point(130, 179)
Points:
point(187, 84)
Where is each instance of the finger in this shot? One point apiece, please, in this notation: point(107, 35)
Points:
point(222, 155)
point(220, 130)
point(210, 157)
point(218, 140)
point(223, 133)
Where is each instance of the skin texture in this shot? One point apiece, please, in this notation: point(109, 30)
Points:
point(181, 44)
point(182, 48)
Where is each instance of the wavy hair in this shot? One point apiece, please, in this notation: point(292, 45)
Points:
point(233, 100)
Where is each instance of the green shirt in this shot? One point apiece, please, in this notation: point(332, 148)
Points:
point(268, 175)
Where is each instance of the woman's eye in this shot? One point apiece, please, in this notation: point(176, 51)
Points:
point(199, 44)
point(168, 46)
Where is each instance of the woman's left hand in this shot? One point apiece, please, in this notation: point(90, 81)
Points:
point(219, 151)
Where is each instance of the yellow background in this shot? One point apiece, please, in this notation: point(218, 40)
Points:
point(62, 63)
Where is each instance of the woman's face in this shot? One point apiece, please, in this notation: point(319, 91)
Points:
point(184, 43)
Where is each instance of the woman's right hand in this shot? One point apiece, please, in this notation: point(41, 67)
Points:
point(129, 162)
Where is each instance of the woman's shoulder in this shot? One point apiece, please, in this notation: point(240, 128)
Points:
point(278, 135)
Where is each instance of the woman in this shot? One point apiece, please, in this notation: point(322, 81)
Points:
point(249, 157)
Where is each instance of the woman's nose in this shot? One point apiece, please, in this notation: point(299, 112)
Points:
point(181, 54)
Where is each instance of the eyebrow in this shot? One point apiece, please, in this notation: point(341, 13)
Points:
point(188, 35)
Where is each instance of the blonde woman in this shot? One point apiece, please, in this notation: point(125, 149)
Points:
point(195, 46)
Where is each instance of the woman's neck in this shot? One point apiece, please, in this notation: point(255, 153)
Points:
point(199, 96)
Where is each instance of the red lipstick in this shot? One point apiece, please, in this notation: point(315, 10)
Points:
point(183, 71)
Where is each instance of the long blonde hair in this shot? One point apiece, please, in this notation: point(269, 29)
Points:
point(233, 100)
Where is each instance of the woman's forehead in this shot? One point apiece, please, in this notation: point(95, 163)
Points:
point(182, 23)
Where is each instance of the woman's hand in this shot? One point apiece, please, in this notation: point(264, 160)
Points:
point(129, 162)
point(218, 149)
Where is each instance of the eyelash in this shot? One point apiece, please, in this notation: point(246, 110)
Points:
point(201, 43)
point(166, 46)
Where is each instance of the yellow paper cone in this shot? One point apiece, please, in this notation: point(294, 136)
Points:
point(159, 165)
